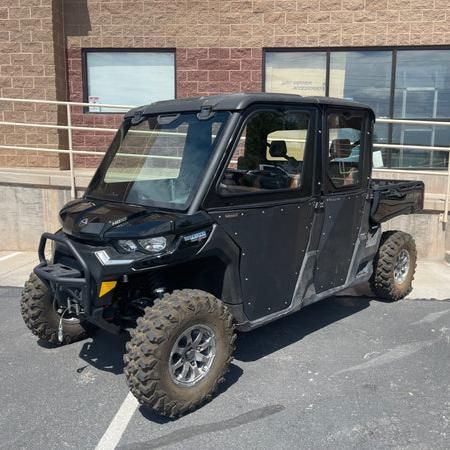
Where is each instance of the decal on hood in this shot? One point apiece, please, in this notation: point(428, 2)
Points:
point(83, 222)
point(118, 221)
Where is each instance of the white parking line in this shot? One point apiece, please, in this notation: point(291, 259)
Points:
point(119, 424)
point(2, 258)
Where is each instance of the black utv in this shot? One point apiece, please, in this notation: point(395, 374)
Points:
point(215, 214)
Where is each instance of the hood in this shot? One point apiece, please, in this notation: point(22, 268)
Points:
point(102, 221)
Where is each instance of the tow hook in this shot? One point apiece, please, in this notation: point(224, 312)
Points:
point(70, 305)
point(60, 330)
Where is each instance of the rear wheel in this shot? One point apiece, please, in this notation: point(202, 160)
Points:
point(179, 352)
point(41, 316)
point(394, 266)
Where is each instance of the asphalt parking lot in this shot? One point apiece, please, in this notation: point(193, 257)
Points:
point(349, 372)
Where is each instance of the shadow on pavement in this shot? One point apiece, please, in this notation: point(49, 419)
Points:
point(47, 345)
point(182, 434)
point(283, 332)
point(105, 352)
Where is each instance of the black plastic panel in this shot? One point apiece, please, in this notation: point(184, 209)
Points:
point(273, 242)
point(341, 226)
point(392, 198)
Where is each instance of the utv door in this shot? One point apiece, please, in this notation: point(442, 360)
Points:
point(263, 202)
point(346, 167)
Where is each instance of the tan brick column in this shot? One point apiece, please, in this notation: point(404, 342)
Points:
point(32, 66)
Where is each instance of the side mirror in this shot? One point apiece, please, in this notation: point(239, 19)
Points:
point(278, 149)
point(340, 148)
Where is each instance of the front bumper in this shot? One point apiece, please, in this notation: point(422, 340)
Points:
point(76, 273)
point(78, 270)
point(61, 277)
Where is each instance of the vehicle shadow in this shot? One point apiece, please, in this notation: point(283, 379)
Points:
point(105, 352)
point(283, 332)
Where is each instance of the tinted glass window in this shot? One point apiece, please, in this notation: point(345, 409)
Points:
point(344, 151)
point(422, 91)
point(422, 84)
point(363, 77)
point(270, 154)
point(158, 162)
point(407, 158)
point(129, 78)
point(302, 73)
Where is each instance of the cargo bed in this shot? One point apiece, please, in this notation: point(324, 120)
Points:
point(391, 198)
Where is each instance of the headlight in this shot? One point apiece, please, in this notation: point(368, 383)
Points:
point(153, 245)
point(127, 245)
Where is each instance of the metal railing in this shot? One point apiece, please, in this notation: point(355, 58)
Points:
point(430, 148)
point(70, 127)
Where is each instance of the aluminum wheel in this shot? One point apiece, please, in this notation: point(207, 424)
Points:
point(401, 267)
point(192, 355)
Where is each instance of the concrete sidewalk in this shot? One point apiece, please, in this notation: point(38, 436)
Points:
point(15, 267)
point(432, 280)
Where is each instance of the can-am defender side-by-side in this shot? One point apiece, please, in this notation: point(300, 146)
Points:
point(215, 214)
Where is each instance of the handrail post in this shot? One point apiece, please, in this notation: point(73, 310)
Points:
point(73, 190)
point(447, 194)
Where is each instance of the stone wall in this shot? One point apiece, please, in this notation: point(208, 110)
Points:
point(28, 211)
point(427, 230)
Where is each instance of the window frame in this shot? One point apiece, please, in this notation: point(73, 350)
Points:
point(330, 186)
point(84, 69)
point(215, 199)
point(120, 134)
point(394, 49)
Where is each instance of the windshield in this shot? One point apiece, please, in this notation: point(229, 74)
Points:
point(159, 162)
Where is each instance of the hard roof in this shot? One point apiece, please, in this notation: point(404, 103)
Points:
point(238, 101)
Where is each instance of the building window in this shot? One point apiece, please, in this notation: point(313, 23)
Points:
point(301, 73)
point(395, 82)
point(422, 91)
point(128, 78)
point(422, 84)
point(362, 76)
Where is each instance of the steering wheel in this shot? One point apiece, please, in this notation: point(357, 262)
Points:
point(268, 168)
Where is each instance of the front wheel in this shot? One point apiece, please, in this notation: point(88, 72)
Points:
point(179, 352)
point(40, 314)
point(394, 266)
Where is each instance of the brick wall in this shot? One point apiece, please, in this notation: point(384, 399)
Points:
point(206, 71)
point(256, 23)
point(31, 62)
point(218, 42)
